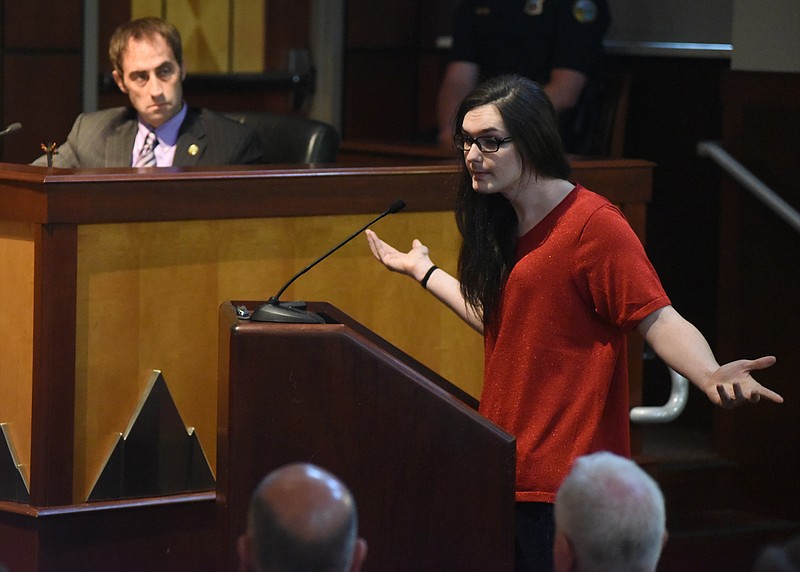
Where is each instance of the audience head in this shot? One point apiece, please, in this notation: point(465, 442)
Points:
point(302, 519)
point(779, 557)
point(609, 516)
point(148, 68)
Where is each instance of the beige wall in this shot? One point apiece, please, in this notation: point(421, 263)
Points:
point(688, 21)
point(766, 36)
point(219, 36)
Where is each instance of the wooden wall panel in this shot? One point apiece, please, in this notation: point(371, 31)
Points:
point(436, 20)
point(41, 25)
point(52, 426)
point(431, 71)
point(162, 534)
point(379, 96)
point(287, 27)
point(759, 285)
point(16, 335)
point(43, 92)
point(393, 68)
point(176, 274)
point(112, 14)
point(40, 71)
point(381, 24)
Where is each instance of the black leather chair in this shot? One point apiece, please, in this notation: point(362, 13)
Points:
point(292, 139)
point(596, 127)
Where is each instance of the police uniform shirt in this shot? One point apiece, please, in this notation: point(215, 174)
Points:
point(530, 37)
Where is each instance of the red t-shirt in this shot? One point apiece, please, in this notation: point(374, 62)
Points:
point(556, 374)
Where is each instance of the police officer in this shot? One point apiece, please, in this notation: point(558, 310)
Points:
point(557, 43)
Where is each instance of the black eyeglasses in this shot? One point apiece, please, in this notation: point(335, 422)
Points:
point(487, 144)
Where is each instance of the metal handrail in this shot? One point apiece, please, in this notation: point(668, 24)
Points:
point(671, 409)
point(761, 191)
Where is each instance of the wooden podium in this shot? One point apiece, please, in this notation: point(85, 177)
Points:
point(433, 480)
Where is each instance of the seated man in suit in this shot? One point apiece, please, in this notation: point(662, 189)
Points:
point(159, 130)
point(301, 518)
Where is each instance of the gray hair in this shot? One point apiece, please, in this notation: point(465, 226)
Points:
point(613, 513)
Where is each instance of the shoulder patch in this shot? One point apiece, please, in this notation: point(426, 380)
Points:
point(585, 11)
point(533, 7)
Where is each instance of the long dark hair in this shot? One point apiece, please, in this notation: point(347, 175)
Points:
point(488, 223)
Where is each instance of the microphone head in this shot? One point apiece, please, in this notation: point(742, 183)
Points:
point(11, 128)
point(396, 206)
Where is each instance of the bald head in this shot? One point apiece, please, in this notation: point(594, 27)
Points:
point(302, 519)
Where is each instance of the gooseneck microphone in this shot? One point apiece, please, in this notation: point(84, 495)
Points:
point(293, 312)
point(11, 128)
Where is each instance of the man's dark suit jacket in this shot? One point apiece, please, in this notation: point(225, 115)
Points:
point(105, 139)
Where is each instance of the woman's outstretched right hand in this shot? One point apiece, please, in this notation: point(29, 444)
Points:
point(414, 263)
point(417, 264)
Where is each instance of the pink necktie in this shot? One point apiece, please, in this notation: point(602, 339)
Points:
point(147, 156)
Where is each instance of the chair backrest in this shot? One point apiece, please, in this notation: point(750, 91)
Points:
point(614, 114)
point(596, 127)
point(291, 139)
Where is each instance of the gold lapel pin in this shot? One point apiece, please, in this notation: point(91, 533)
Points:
point(193, 149)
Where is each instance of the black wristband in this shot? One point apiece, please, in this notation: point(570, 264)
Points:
point(424, 281)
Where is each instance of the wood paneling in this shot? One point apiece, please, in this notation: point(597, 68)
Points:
point(380, 95)
point(43, 92)
point(177, 273)
point(759, 285)
point(16, 334)
point(112, 14)
point(40, 25)
point(156, 534)
point(52, 426)
point(377, 25)
point(287, 26)
point(40, 66)
point(393, 69)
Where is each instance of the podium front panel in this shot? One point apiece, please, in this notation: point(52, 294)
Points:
point(434, 480)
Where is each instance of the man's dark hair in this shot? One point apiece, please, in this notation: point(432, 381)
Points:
point(139, 29)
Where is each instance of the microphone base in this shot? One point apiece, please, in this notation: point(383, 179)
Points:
point(286, 313)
